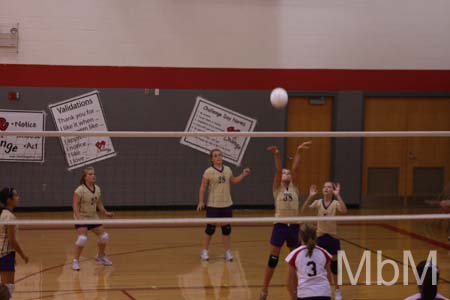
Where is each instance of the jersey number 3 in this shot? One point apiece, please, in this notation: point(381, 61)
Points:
point(313, 271)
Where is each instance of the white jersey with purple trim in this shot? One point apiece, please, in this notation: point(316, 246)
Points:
point(88, 201)
point(326, 227)
point(219, 194)
point(5, 245)
point(418, 296)
point(311, 271)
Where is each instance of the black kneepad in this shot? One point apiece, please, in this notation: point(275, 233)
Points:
point(334, 267)
point(210, 229)
point(273, 261)
point(226, 229)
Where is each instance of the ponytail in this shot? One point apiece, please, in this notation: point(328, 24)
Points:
point(428, 289)
point(308, 236)
point(311, 244)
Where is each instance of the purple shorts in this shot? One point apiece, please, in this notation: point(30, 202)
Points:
point(285, 233)
point(329, 243)
point(219, 212)
point(8, 262)
point(89, 227)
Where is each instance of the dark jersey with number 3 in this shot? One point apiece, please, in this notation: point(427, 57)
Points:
point(311, 271)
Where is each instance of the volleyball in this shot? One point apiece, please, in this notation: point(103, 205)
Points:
point(279, 98)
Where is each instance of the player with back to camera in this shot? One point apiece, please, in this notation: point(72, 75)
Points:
point(8, 239)
point(327, 230)
point(286, 195)
point(309, 268)
point(428, 290)
point(87, 198)
point(217, 178)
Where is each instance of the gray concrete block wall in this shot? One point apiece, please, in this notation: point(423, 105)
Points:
point(146, 172)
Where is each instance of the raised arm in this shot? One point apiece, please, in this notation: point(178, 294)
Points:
point(310, 199)
point(237, 179)
point(278, 168)
point(336, 191)
point(13, 242)
point(296, 162)
point(201, 194)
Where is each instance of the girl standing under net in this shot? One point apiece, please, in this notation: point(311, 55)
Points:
point(286, 194)
point(217, 179)
point(87, 198)
point(8, 238)
point(327, 230)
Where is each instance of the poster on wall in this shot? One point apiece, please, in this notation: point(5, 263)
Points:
point(22, 148)
point(82, 113)
point(208, 116)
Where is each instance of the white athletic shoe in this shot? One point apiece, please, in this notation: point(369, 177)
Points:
point(263, 295)
point(337, 294)
point(76, 265)
point(228, 256)
point(103, 260)
point(204, 255)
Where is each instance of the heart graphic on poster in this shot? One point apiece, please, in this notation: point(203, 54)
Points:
point(232, 129)
point(3, 124)
point(100, 145)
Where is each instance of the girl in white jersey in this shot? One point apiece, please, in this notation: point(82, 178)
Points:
point(286, 194)
point(87, 198)
point(327, 230)
point(428, 290)
point(8, 238)
point(217, 179)
point(309, 269)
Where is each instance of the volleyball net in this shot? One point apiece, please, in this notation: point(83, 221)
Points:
point(402, 172)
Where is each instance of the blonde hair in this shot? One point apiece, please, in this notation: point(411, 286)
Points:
point(308, 235)
point(85, 172)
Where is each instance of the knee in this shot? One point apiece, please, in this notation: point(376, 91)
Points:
point(210, 229)
point(334, 267)
point(273, 261)
point(81, 240)
point(226, 229)
point(103, 238)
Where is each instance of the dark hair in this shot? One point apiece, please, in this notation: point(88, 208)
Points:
point(428, 290)
point(212, 152)
point(308, 235)
point(5, 194)
point(85, 171)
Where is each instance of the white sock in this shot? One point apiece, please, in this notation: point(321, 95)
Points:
point(10, 287)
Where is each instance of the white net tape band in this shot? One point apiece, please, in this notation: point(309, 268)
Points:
point(260, 134)
point(240, 220)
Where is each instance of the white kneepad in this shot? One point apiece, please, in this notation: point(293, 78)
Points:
point(103, 238)
point(81, 240)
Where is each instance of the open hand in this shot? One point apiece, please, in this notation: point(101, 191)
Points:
point(312, 190)
point(304, 145)
point(336, 189)
point(273, 149)
point(200, 206)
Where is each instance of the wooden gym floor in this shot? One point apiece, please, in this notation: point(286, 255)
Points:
point(163, 262)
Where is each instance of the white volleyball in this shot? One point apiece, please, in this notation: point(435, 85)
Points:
point(279, 98)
